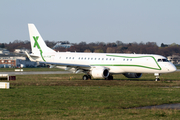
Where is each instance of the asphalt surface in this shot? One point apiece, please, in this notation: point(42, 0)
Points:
point(164, 106)
point(33, 73)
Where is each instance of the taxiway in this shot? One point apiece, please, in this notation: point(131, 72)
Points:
point(35, 73)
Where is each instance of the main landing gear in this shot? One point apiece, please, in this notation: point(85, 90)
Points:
point(86, 77)
point(110, 77)
point(157, 76)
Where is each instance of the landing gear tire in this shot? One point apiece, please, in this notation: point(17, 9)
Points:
point(89, 77)
point(86, 77)
point(157, 79)
point(110, 77)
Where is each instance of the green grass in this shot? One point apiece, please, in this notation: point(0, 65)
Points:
point(38, 102)
point(59, 97)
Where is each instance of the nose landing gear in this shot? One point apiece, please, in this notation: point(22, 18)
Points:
point(157, 76)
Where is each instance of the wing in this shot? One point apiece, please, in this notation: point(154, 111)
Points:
point(75, 68)
point(68, 65)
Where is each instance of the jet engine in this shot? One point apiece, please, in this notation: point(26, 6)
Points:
point(133, 75)
point(100, 72)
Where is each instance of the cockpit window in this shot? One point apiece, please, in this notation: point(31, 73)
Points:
point(163, 60)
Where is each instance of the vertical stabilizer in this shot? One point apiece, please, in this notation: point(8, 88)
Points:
point(38, 45)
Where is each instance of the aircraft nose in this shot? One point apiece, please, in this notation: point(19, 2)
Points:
point(172, 68)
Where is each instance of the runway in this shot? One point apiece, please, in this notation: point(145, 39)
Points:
point(35, 73)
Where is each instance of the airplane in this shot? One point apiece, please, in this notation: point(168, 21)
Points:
point(97, 65)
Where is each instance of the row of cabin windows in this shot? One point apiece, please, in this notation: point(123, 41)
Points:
point(127, 59)
point(81, 58)
point(70, 58)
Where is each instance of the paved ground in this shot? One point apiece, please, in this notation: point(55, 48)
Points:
point(164, 106)
point(30, 73)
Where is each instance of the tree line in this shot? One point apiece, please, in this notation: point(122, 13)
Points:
point(101, 47)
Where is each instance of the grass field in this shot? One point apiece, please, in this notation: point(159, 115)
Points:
point(68, 97)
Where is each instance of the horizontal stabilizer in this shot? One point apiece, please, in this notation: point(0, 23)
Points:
point(30, 58)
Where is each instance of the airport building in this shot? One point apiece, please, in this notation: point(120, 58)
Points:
point(21, 51)
point(175, 59)
point(3, 51)
point(13, 62)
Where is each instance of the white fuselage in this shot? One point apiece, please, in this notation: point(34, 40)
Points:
point(117, 63)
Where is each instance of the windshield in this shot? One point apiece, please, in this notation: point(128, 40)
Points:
point(163, 60)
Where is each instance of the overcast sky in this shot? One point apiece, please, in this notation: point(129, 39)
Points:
point(92, 20)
